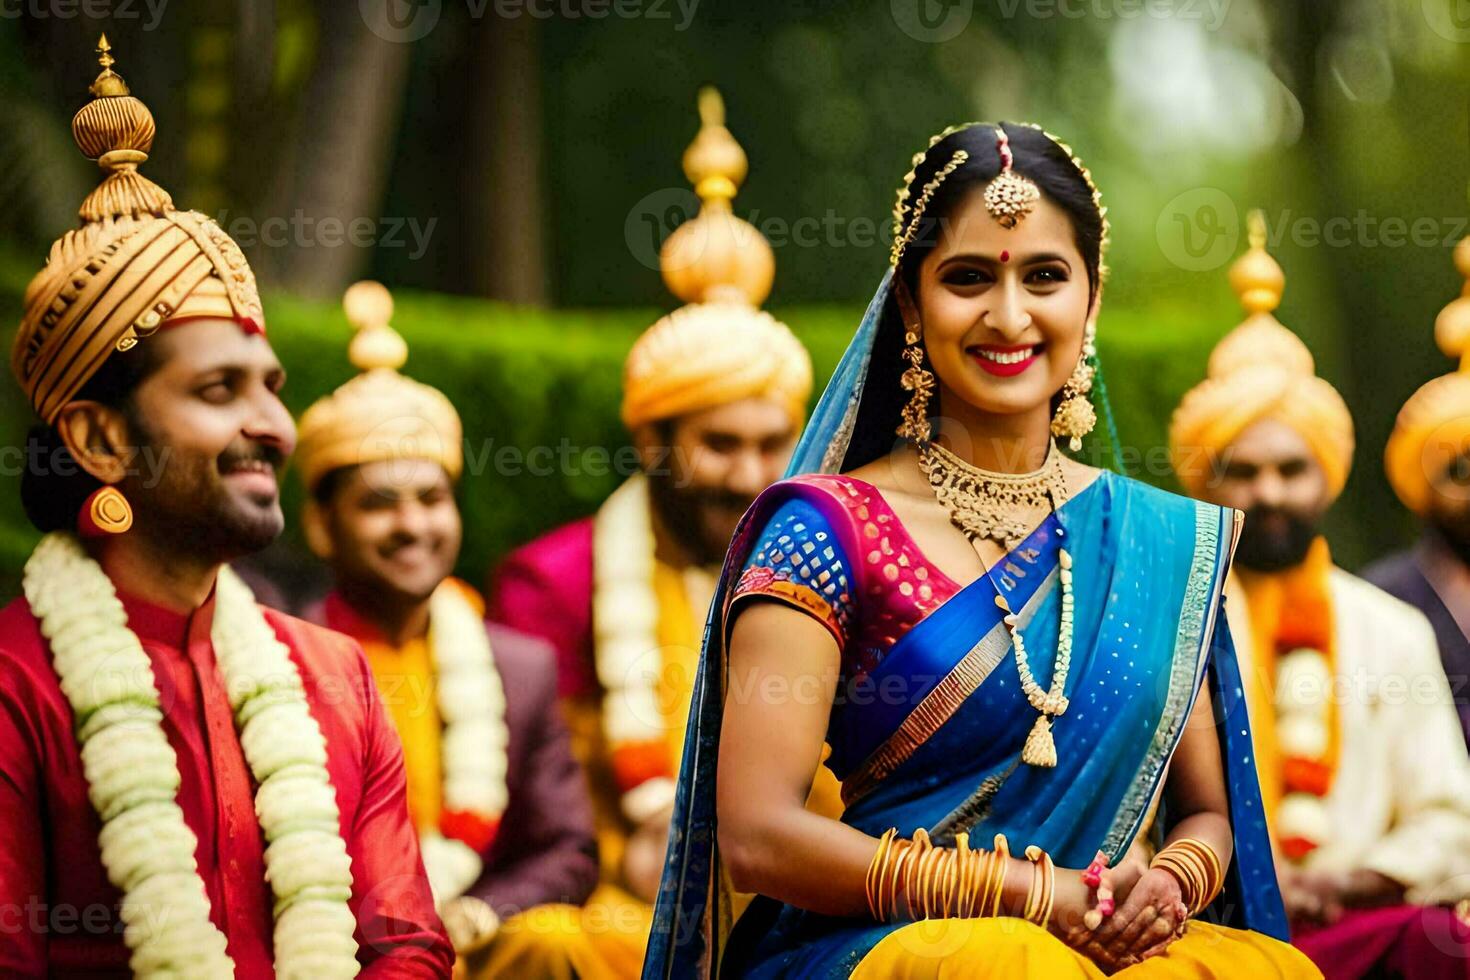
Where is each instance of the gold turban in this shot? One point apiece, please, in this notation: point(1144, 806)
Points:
point(134, 265)
point(720, 347)
point(1433, 427)
point(1259, 370)
point(380, 414)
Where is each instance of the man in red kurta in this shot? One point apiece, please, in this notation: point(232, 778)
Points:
point(142, 350)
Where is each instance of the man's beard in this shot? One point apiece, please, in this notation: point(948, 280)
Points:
point(682, 510)
point(1454, 531)
point(1265, 549)
point(189, 507)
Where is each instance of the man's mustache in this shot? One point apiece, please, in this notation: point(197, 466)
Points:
point(255, 452)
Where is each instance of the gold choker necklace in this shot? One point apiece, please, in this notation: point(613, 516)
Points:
point(987, 505)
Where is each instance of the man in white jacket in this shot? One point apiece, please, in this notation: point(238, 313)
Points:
point(1363, 767)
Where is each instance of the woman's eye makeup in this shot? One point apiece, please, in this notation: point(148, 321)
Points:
point(967, 276)
point(1048, 275)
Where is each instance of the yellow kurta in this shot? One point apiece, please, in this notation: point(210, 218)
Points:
point(547, 941)
point(405, 679)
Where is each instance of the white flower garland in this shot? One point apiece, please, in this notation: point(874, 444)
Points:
point(1303, 731)
point(133, 777)
point(471, 699)
point(625, 632)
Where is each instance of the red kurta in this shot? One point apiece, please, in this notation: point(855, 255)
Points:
point(57, 908)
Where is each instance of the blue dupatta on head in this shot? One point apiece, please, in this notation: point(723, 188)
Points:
point(1151, 567)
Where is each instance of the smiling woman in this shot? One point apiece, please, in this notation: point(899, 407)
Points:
point(1009, 647)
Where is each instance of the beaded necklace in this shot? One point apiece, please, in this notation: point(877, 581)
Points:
point(985, 505)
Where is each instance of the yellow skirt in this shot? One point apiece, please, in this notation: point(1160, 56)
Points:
point(602, 940)
point(1009, 948)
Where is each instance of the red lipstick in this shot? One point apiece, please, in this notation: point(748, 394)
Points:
point(1004, 361)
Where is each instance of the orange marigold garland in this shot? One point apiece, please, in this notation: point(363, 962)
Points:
point(1305, 713)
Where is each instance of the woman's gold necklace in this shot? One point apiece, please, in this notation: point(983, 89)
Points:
point(991, 506)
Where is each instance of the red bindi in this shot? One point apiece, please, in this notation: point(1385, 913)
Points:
point(1005, 256)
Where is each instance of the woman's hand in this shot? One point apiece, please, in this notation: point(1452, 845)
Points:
point(1074, 899)
point(1151, 918)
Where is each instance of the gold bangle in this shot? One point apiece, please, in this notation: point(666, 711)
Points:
point(1196, 866)
point(986, 884)
point(1043, 886)
point(916, 877)
point(921, 876)
point(904, 852)
point(1214, 873)
point(953, 868)
point(1183, 875)
point(875, 872)
point(1003, 863)
point(965, 863)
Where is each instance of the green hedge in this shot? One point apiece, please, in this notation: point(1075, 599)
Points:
point(526, 378)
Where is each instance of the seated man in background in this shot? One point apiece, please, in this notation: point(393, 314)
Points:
point(1428, 464)
point(714, 395)
point(1363, 770)
point(500, 805)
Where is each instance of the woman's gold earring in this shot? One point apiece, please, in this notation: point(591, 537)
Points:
point(1075, 417)
point(916, 379)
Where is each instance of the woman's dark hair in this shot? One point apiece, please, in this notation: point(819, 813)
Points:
point(1034, 155)
point(53, 486)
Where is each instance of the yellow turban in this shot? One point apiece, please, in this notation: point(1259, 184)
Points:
point(135, 264)
point(380, 414)
point(1260, 370)
point(1434, 425)
point(720, 348)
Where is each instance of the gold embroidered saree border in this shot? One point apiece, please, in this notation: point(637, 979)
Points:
point(939, 705)
point(1196, 627)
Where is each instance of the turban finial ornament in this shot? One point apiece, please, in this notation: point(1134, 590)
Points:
point(379, 415)
point(716, 256)
point(117, 131)
point(369, 308)
point(720, 347)
point(1260, 338)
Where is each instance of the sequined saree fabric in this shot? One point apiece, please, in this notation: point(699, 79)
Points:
point(929, 720)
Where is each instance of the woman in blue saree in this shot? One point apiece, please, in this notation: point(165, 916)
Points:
point(1078, 695)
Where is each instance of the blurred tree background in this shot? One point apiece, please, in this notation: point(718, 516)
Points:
point(525, 153)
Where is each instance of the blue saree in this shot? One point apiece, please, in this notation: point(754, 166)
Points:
point(930, 720)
